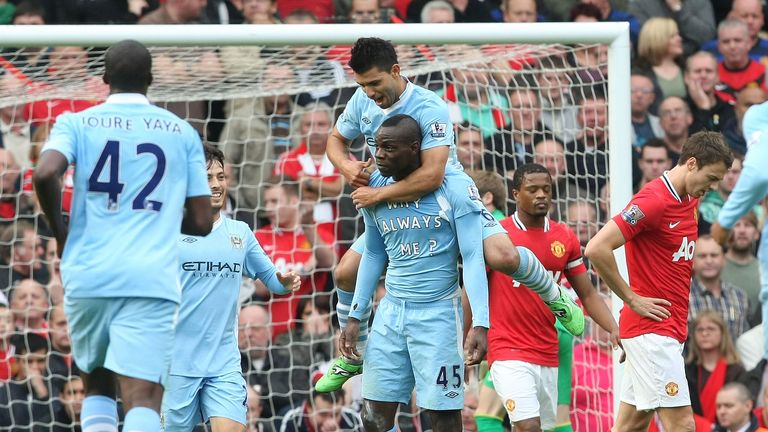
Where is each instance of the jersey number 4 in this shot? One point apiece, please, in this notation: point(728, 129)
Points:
point(110, 160)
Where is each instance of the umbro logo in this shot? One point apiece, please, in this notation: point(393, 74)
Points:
point(366, 120)
point(672, 225)
point(451, 394)
point(189, 240)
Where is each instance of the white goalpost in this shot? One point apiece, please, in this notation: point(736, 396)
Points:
point(237, 75)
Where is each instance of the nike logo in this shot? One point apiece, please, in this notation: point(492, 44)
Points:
point(672, 225)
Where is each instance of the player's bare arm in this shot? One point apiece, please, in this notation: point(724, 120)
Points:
point(197, 216)
point(719, 233)
point(599, 251)
point(354, 172)
point(595, 306)
point(427, 178)
point(47, 181)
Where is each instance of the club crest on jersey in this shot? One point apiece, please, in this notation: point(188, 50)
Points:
point(510, 405)
point(632, 215)
point(557, 248)
point(438, 129)
point(237, 242)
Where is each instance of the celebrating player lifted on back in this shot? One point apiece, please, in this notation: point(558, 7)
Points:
point(136, 163)
point(416, 338)
point(205, 377)
point(384, 93)
point(659, 228)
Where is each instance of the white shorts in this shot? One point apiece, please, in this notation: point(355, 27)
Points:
point(527, 390)
point(654, 373)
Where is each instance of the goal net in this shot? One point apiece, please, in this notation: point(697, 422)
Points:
point(270, 109)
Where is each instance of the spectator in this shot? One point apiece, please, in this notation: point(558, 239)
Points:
point(744, 100)
point(551, 154)
point(761, 410)
point(66, 413)
point(711, 362)
point(558, 112)
point(741, 267)
point(292, 242)
point(519, 11)
point(676, 119)
point(466, 11)
point(322, 10)
point(710, 112)
point(582, 218)
point(322, 412)
point(709, 292)
point(60, 363)
point(588, 155)
point(492, 192)
point(319, 181)
point(364, 12)
point(472, 99)
point(659, 49)
point(176, 12)
point(9, 192)
point(26, 399)
point(694, 18)
point(713, 200)
point(737, 70)
point(751, 12)
point(254, 421)
point(513, 145)
point(468, 422)
point(654, 160)
point(253, 338)
point(55, 286)
point(29, 304)
point(611, 14)
point(21, 250)
point(16, 134)
point(734, 410)
point(31, 61)
point(7, 351)
point(586, 12)
point(258, 11)
point(438, 12)
point(645, 126)
point(470, 147)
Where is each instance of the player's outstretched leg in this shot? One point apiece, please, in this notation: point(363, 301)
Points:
point(343, 368)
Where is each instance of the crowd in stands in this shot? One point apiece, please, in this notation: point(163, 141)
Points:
point(696, 65)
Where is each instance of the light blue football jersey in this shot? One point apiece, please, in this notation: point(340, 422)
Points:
point(755, 123)
point(363, 116)
point(421, 241)
point(211, 271)
point(135, 165)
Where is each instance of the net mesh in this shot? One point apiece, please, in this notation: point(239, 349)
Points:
point(511, 104)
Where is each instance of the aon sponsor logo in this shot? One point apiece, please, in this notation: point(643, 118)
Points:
point(685, 252)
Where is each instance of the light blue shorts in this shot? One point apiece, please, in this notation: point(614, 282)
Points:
point(131, 336)
point(188, 401)
point(490, 227)
point(416, 344)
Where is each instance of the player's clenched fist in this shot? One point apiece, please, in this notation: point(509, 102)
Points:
point(476, 345)
point(291, 281)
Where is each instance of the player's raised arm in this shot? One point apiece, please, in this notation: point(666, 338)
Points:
point(599, 251)
point(47, 181)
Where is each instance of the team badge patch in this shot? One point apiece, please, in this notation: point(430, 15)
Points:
point(510, 405)
point(632, 215)
point(557, 248)
point(672, 389)
point(474, 194)
point(237, 242)
point(438, 129)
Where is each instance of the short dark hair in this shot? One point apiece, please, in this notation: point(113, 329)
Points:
point(529, 168)
point(29, 8)
point(212, 153)
point(655, 143)
point(586, 9)
point(708, 148)
point(406, 125)
point(290, 187)
point(11, 236)
point(128, 66)
point(372, 52)
point(29, 342)
point(334, 397)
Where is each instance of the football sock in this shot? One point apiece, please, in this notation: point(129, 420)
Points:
point(342, 310)
point(532, 274)
point(99, 414)
point(142, 419)
point(489, 424)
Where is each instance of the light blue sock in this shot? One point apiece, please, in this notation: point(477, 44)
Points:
point(532, 274)
point(99, 414)
point(342, 311)
point(394, 428)
point(141, 419)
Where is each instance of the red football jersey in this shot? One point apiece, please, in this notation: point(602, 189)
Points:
point(290, 250)
point(522, 326)
point(660, 229)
